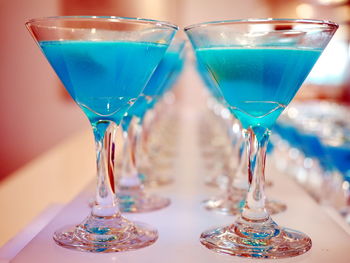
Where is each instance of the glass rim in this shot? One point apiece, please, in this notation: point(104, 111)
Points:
point(105, 18)
point(263, 21)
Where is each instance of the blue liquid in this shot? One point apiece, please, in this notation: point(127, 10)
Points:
point(104, 78)
point(288, 133)
point(258, 83)
point(138, 109)
point(161, 74)
point(168, 70)
point(155, 87)
point(340, 155)
point(309, 143)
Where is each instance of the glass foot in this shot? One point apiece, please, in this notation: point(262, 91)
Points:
point(283, 243)
point(156, 180)
point(137, 202)
point(117, 234)
point(233, 204)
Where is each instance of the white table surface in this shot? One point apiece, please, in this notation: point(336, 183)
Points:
point(181, 224)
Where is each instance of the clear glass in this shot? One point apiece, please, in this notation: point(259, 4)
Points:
point(97, 60)
point(236, 184)
point(258, 65)
point(132, 194)
point(215, 145)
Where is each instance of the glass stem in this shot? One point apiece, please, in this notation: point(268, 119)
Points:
point(254, 209)
point(147, 123)
point(240, 182)
point(130, 178)
point(105, 201)
point(234, 164)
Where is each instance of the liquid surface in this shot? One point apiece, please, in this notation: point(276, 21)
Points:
point(258, 83)
point(104, 78)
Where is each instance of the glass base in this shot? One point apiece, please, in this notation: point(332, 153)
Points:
point(229, 240)
point(233, 204)
point(136, 201)
point(156, 180)
point(106, 234)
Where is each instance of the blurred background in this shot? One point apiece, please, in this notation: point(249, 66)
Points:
point(35, 111)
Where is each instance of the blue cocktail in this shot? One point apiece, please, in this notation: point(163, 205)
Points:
point(84, 65)
point(98, 61)
point(232, 201)
point(258, 83)
point(258, 65)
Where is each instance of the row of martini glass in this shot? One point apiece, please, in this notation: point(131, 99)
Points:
point(313, 139)
point(256, 67)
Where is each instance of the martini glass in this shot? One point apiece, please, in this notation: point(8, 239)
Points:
point(232, 200)
point(259, 65)
point(97, 60)
point(132, 195)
